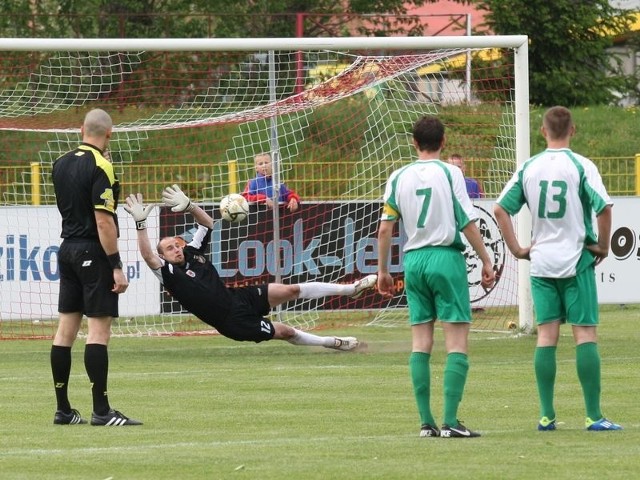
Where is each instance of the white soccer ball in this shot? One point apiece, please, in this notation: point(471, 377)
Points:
point(234, 208)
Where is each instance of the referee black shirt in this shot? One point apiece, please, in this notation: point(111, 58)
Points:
point(84, 181)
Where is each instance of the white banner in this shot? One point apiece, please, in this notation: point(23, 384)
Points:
point(617, 274)
point(29, 243)
point(30, 239)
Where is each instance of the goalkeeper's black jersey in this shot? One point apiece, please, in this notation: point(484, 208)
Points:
point(197, 284)
point(84, 181)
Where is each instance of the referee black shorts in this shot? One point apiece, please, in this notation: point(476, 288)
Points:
point(86, 279)
point(247, 320)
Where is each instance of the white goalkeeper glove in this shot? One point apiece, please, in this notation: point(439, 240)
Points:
point(176, 199)
point(137, 210)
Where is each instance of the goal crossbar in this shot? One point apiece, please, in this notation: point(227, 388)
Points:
point(247, 44)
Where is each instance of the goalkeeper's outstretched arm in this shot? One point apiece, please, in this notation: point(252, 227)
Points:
point(144, 245)
point(202, 217)
point(139, 212)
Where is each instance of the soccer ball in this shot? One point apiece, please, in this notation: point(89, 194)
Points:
point(234, 208)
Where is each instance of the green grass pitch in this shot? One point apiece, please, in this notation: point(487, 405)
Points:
point(217, 409)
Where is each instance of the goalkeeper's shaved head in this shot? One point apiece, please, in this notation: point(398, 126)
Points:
point(97, 124)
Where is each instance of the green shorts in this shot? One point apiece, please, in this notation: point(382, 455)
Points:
point(573, 300)
point(436, 285)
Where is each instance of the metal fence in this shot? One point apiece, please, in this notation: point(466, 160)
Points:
point(208, 182)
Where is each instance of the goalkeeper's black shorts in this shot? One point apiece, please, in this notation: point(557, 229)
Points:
point(246, 321)
point(86, 279)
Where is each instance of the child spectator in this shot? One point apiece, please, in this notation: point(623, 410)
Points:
point(260, 188)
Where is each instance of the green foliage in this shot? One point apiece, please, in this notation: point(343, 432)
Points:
point(601, 131)
point(568, 59)
point(569, 62)
point(195, 19)
point(217, 409)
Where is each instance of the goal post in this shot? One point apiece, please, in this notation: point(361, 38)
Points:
point(335, 115)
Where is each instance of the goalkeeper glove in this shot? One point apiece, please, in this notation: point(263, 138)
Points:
point(137, 210)
point(176, 199)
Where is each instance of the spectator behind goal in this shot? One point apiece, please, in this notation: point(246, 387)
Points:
point(474, 187)
point(260, 188)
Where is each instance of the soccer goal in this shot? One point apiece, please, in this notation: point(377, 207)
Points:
point(335, 116)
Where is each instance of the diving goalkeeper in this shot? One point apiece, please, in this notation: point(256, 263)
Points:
point(237, 313)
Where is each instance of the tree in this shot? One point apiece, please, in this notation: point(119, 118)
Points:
point(197, 18)
point(568, 40)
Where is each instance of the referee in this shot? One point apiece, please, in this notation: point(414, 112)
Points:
point(91, 276)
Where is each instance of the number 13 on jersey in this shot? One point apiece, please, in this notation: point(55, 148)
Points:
point(558, 204)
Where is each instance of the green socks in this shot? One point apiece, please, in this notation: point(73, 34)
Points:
point(455, 377)
point(544, 363)
point(420, 371)
point(588, 367)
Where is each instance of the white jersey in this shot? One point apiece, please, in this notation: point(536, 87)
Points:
point(562, 190)
point(431, 198)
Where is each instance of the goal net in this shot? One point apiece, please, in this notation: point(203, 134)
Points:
point(335, 117)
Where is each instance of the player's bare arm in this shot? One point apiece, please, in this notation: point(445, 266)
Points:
point(472, 233)
point(385, 281)
point(509, 235)
point(108, 234)
point(202, 217)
